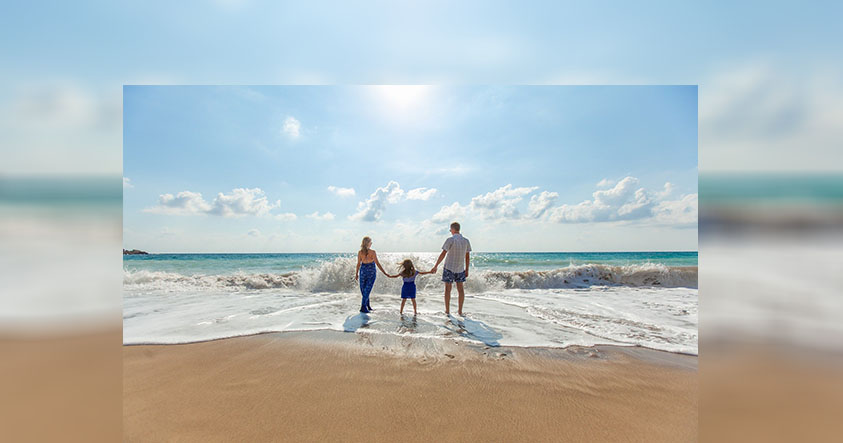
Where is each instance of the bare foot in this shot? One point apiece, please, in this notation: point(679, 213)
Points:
point(460, 314)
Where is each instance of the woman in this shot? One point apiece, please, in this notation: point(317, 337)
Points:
point(366, 260)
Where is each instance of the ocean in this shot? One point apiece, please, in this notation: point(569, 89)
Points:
point(560, 299)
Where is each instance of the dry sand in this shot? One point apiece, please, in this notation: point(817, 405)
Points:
point(60, 388)
point(288, 386)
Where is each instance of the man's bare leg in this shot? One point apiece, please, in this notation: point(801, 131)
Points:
point(461, 292)
point(447, 298)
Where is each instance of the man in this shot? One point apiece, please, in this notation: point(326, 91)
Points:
point(455, 252)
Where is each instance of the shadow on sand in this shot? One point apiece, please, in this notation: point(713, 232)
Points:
point(474, 330)
point(355, 322)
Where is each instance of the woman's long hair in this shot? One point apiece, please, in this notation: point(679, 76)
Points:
point(407, 269)
point(364, 245)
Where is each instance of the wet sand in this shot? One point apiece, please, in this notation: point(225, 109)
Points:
point(361, 387)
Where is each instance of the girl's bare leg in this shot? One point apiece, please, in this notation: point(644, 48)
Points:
point(403, 300)
point(415, 311)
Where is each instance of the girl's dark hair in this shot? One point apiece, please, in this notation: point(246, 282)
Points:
point(407, 269)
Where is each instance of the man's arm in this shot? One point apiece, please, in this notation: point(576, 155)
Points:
point(439, 260)
point(467, 261)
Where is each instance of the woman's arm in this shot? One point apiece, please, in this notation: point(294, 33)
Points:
point(377, 262)
point(357, 271)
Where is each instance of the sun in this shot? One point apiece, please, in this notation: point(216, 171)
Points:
point(403, 97)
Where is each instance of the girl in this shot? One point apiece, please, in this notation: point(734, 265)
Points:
point(366, 273)
point(409, 273)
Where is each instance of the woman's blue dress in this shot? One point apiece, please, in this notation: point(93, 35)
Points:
point(367, 281)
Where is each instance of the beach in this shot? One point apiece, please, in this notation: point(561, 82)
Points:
point(553, 346)
point(327, 385)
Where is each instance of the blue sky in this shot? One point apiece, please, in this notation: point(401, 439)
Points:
point(314, 168)
point(770, 74)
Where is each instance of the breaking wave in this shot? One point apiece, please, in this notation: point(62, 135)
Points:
point(338, 276)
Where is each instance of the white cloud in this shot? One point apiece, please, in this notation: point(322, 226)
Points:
point(287, 216)
point(678, 212)
point(501, 203)
point(127, 183)
point(622, 202)
point(420, 193)
point(239, 202)
point(449, 213)
point(183, 203)
point(666, 191)
point(323, 217)
point(292, 127)
point(627, 201)
point(539, 204)
point(254, 233)
point(606, 183)
point(242, 201)
point(372, 209)
point(342, 192)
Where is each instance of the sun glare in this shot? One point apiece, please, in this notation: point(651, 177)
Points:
point(403, 97)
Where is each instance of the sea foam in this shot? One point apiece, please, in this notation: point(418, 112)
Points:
point(643, 304)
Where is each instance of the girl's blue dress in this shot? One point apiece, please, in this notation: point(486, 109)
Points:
point(409, 288)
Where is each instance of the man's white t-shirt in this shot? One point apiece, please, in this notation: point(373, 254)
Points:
point(457, 246)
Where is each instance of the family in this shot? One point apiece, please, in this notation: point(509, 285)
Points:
point(455, 252)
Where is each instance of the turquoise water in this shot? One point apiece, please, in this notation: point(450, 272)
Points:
point(218, 264)
point(768, 188)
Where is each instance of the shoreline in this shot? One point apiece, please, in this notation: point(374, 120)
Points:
point(342, 337)
point(332, 385)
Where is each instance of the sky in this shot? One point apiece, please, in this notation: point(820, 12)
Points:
point(314, 168)
point(769, 73)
